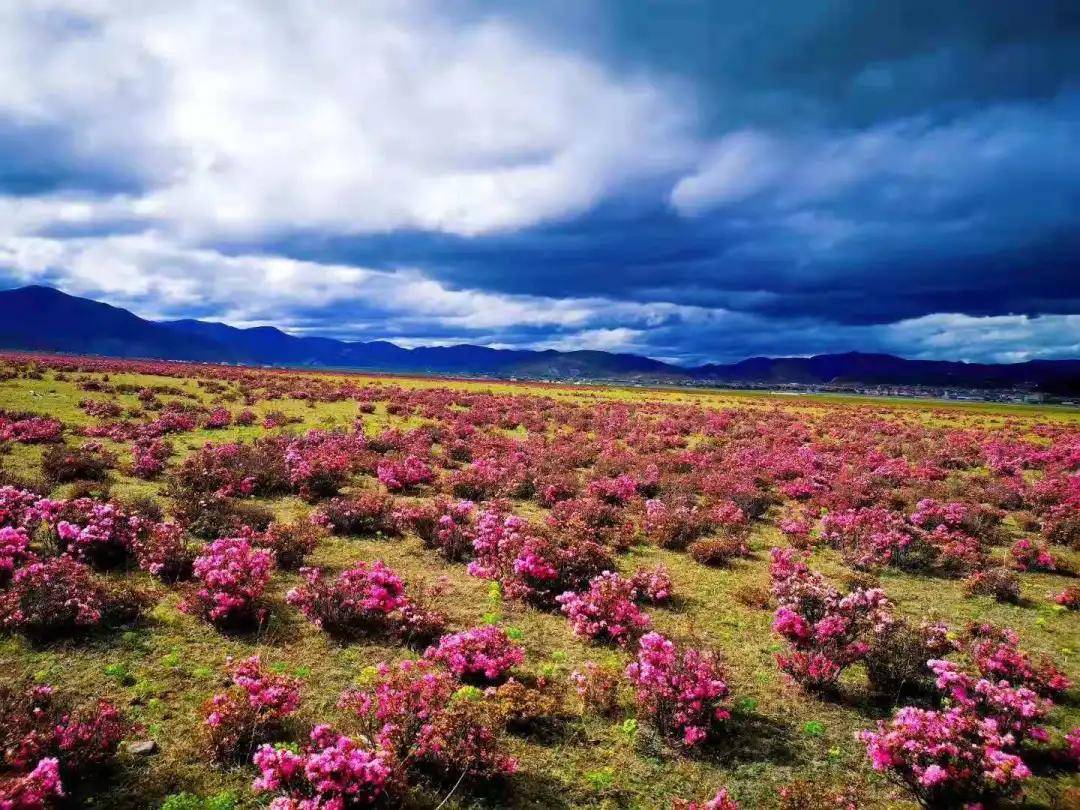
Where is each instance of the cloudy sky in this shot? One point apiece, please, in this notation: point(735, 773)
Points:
point(688, 180)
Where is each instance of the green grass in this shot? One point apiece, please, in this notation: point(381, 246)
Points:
point(162, 671)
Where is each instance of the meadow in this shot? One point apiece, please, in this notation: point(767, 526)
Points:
point(225, 587)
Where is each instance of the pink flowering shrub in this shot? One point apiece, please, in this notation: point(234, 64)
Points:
point(20, 508)
point(365, 513)
point(34, 790)
point(995, 654)
point(37, 727)
point(592, 520)
point(674, 526)
point(320, 462)
point(413, 710)
point(162, 549)
point(682, 692)
point(399, 702)
point(14, 551)
point(290, 542)
point(403, 474)
point(218, 418)
point(606, 611)
point(101, 534)
point(1013, 709)
point(1030, 556)
point(529, 565)
point(61, 596)
point(30, 429)
point(949, 758)
point(826, 630)
point(362, 601)
point(653, 585)
point(332, 771)
point(149, 457)
point(484, 654)
point(443, 525)
point(251, 712)
point(232, 577)
point(617, 491)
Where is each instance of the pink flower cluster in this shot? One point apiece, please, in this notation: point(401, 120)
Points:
point(947, 758)
point(96, 532)
point(332, 772)
point(529, 565)
point(218, 418)
point(401, 474)
point(653, 585)
point(34, 790)
point(30, 430)
point(148, 457)
point(826, 630)
point(60, 595)
point(413, 711)
point(320, 462)
point(232, 577)
point(683, 692)
point(606, 611)
point(481, 653)
point(14, 551)
point(361, 600)
point(1028, 555)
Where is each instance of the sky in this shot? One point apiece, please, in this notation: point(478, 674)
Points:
point(689, 180)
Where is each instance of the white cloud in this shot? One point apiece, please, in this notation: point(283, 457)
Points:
point(991, 338)
point(158, 278)
point(244, 118)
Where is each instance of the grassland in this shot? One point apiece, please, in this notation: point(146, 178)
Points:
point(163, 670)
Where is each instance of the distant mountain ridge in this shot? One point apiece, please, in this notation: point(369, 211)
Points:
point(38, 318)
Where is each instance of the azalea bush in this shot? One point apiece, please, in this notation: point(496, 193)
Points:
point(606, 611)
point(949, 758)
point(826, 630)
point(365, 513)
point(46, 743)
point(403, 474)
point(364, 600)
point(291, 542)
point(251, 712)
point(683, 692)
point(484, 654)
point(416, 711)
point(653, 585)
point(60, 596)
point(232, 576)
point(331, 771)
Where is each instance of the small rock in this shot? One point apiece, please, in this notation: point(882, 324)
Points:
point(142, 748)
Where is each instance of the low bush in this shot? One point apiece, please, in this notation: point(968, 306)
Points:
point(369, 513)
point(482, 654)
point(250, 713)
point(606, 612)
point(232, 577)
point(60, 596)
point(682, 692)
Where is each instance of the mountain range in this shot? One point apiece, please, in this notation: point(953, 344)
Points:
point(38, 318)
